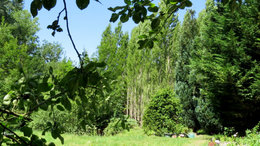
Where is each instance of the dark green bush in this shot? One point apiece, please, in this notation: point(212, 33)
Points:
point(162, 114)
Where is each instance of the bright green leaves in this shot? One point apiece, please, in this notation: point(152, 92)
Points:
point(7, 99)
point(48, 4)
point(82, 4)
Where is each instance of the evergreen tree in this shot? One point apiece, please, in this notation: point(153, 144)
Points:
point(183, 86)
point(225, 69)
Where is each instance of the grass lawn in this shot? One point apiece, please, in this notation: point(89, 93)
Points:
point(134, 137)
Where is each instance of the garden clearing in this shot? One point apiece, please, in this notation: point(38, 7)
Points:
point(134, 137)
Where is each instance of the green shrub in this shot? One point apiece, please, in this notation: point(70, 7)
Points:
point(252, 137)
point(66, 120)
point(162, 114)
point(228, 131)
point(118, 125)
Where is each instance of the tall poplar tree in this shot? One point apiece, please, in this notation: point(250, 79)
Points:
point(113, 51)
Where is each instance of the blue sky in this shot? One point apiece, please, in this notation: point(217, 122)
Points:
point(86, 25)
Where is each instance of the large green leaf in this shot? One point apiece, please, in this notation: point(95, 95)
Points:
point(49, 4)
point(114, 17)
point(55, 133)
point(26, 131)
point(66, 103)
point(44, 87)
point(153, 9)
point(124, 18)
point(82, 4)
point(136, 17)
point(155, 23)
point(61, 139)
point(59, 107)
point(33, 9)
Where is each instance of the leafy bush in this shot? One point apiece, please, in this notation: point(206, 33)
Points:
point(67, 121)
point(118, 125)
point(162, 114)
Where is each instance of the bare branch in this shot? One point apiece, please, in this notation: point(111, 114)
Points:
point(14, 114)
point(68, 30)
point(14, 134)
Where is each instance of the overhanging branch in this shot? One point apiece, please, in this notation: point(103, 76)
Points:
point(68, 30)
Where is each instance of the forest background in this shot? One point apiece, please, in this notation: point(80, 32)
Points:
point(201, 74)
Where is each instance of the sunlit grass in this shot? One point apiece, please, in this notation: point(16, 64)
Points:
point(134, 137)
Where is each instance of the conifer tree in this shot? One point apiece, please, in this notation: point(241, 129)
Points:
point(183, 86)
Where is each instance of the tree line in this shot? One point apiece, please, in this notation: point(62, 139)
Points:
point(210, 62)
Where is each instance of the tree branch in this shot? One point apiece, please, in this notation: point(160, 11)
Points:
point(14, 134)
point(37, 106)
point(58, 18)
point(14, 114)
point(68, 30)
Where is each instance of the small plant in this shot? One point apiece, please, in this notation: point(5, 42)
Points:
point(228, 131)
point(201, 131)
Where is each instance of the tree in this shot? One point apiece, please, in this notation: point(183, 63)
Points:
point(28, 95)
point(221, 64)
point(184, 88)
point(6, 9)
point(51, 52)
point(113, 51)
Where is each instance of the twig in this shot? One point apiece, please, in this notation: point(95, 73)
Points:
point(14, 134)
point(10, 137)
point(14, 114)
point(58, 18)
point(68, 30)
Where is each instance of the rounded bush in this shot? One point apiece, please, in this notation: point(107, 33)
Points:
point(162, 114)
